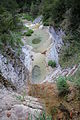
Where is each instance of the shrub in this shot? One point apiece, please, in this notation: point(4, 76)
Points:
point(28, 17)
point(36, 41)
point(62, 86)
point(25, 28)
point(29, 32)
point(46, 23)
point(52, 63)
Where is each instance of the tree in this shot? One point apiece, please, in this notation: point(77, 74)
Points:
point(34, 9)
point(9, 25)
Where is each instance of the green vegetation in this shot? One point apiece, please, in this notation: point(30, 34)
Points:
point(41, 117)
point(21, 97)
point(10, 26)
point(70, 55)
point(29, 32)
point(25, 28)
point(46, 23)
point(54, 111)
point(65, 14)
point(27, 16)
point(77, 83)
point(36, 41)
point(76, 79)
point(62, 86)
point(58, 13)
point(52, 63)
point(34, 9)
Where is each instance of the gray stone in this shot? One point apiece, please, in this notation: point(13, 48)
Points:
point(13, 108)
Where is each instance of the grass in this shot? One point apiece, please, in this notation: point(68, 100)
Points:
point(40, 117)
point(52, 63)
point(36, 41)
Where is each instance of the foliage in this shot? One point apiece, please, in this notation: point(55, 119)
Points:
point(41, 117)
point(76, 78)
point(70, 53)
point(21, 97)
point(57, 9)
point(52, 63)
point(62, 86)
point(54, 110)
point(34, 9)
point(25, 28)
point(9, 5)
point(29, 32)
point(27, 16)
point(77, 83)
point(46, 23)
point(10, 25)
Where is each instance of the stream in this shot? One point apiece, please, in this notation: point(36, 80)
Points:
point(47, 49)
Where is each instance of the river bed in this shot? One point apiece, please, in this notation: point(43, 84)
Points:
point(42, 52)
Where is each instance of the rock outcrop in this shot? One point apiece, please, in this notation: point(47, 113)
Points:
point(13, 69)
point(14, 106)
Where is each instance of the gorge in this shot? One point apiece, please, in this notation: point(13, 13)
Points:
point(39, 68)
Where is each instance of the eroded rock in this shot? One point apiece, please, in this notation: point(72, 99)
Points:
point(12, 107)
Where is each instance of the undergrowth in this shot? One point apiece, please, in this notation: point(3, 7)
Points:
point(70, 53)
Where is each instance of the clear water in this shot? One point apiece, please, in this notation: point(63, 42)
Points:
point(36, 73)
point(43, 35)
point(39, 70)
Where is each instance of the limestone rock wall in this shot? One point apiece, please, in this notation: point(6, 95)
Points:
point(14, 69)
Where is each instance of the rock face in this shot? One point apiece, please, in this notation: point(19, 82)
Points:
point(14, 69)
point(56, 45)
point(52, 77)
point(26, 58)
point(14, 106)
point(37, 20)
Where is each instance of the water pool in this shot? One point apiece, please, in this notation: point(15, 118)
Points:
point(44, 40)
point(39, 70)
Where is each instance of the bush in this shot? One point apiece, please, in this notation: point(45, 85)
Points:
point(28, 17)
point(29, 32)
point(46, 23)
point(52, 63)
point(62, 86)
